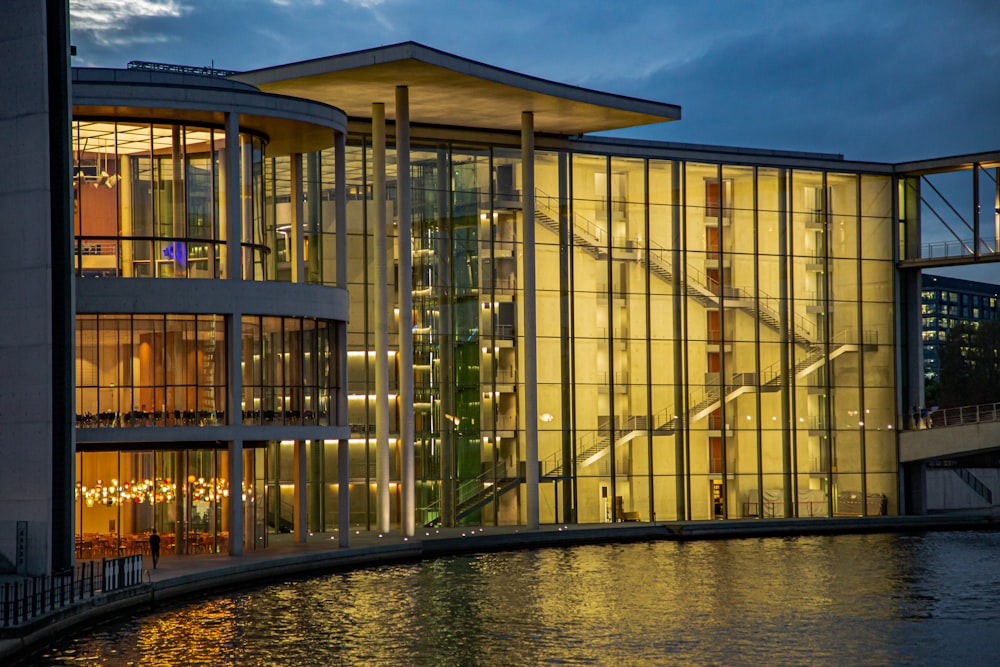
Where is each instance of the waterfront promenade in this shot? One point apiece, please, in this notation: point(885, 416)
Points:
point(180, 578)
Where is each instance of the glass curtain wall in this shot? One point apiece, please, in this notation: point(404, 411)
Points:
point(289, 370)
point(184, 494)
point(149, 200)
point(714, 341)
point(361, 360)
point(169, 370)
point(318, 223)
point(150, 370)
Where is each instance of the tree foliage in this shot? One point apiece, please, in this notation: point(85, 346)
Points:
point(970, 365)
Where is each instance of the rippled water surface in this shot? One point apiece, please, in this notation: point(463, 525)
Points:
point(860, 599)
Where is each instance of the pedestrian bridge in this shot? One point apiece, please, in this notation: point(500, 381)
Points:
point(953, 432)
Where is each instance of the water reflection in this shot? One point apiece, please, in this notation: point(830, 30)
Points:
point(871, 599)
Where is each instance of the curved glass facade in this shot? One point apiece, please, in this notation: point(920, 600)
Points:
point(317, 215)
point(181, 492)
point(170, 370)
point(289, 371)
point(154, 200)
point(150, 370)
point(149, 201)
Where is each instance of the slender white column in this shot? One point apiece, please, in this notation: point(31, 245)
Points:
point(234, 224)
point(340, 176)
point(233, 270)
point(178, 209)
point(405, 309)
point(234, 417)
point(236, 516)
point(246, 200)
point(343, 445)
point(296, 233)
point(299, 498)
point(381, 319)
point(528, 298)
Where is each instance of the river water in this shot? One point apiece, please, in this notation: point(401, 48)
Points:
point(848, 600)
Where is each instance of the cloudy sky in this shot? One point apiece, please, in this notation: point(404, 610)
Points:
point(883, 80)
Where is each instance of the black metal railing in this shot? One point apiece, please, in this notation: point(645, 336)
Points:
point(29, 598)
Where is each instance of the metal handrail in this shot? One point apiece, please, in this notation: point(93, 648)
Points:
point(28, 598)
point(948, 249)
point(182, 249)
point(476, 484)
point(765, 303)
point(588, 226)
point(963, 416)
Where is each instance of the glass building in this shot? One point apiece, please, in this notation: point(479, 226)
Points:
point(397, 288)
point(209, 336)
point(596, 330)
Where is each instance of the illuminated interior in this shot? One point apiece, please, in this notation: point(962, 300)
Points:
point(715, 338)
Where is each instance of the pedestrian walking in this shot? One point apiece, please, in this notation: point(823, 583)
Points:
point(154, 547)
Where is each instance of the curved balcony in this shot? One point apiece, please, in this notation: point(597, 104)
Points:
point(158, 257)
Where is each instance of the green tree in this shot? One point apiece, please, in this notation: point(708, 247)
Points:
point(970, 365)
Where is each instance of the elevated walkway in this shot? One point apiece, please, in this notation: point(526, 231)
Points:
point(954, 432)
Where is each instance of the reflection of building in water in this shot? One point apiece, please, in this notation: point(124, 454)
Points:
point(544, 326)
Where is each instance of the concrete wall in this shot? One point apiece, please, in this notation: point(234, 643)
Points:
point(26, 284)
point(948, 442)
point(946, 491)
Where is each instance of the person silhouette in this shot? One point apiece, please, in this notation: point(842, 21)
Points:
point(154, 547)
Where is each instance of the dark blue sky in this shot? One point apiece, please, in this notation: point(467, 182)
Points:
point(882, 80)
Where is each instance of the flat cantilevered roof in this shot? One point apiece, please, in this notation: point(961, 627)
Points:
point(448, 90)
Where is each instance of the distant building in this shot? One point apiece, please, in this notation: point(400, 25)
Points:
point(944, 304)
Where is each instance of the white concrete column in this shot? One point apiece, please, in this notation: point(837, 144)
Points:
point(233, 270)
point(234, 222)
point(299, 499)
point(296, 234)
point(246, 205)
point(234, 417)
point(381, 319)
point(340, 175)
point(528, 327)
point(403, 238)
point(343, 445)
point(178, 210)
point(236, 517)
point(125, 171)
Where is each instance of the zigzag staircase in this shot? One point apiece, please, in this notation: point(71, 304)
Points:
point(482, 491)
point(591, 238)
point(595, 445)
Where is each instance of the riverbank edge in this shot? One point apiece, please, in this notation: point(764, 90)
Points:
point(228, 574)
